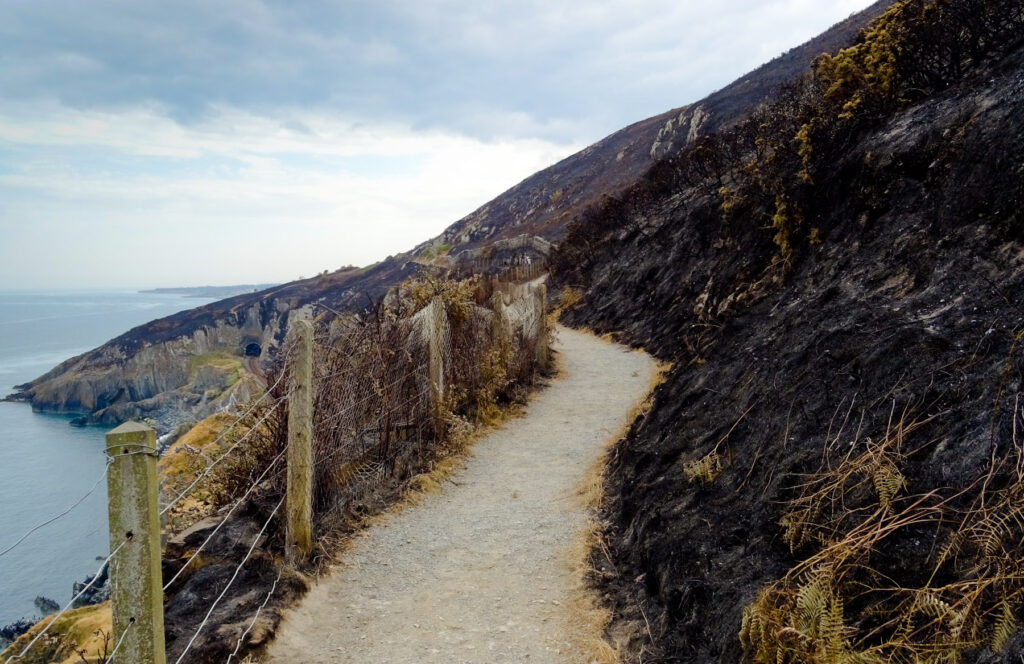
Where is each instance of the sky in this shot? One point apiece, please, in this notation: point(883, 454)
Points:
point(197, 142)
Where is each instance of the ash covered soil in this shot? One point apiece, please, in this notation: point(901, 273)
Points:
point(911, 304)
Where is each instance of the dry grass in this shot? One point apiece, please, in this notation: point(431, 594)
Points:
point(184, 460)
point(186, 455)
point(839, 605)
point(568, 297)
point(589, 619)
point(77, 631)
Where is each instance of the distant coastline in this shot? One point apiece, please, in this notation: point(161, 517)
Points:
point(210, 291)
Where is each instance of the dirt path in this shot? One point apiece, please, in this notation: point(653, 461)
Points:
point(481, 572)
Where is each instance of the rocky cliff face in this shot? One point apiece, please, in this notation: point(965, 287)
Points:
point(799, 342)
point(184, 367)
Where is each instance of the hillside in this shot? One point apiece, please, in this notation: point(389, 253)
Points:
point(150, 371)
point(546, 202)
point(832, 470)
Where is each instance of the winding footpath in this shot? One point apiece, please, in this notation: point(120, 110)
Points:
point(482, 572)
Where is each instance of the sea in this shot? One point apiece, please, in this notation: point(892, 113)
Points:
point(47, 465)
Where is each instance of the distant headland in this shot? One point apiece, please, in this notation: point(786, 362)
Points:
point(211, 291)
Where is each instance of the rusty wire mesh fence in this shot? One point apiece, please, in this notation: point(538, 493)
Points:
point(408, 381)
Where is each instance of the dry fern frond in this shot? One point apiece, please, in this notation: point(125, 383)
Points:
point(888, 480)
point(811, 606)
point(832, 629)
point(705, 469)
point(933, 606)
point(1004, 628)
point(969, 602)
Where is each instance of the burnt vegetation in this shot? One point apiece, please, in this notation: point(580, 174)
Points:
point(379, 433)
point(830, 472)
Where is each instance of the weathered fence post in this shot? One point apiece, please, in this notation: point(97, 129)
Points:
point(541, 293)
point(299, 501)
point(137, 595)
point(435, 334)
point(498, 304)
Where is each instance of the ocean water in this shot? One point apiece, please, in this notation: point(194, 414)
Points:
point(46, 464)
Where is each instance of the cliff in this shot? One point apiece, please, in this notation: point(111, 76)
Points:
point(189, 365)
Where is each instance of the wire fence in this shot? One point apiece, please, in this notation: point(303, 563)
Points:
point(394, 390)
point(60, 515)
point(20, 653)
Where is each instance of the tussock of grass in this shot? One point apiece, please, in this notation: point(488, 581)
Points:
point(182, 462)
point(77, 631)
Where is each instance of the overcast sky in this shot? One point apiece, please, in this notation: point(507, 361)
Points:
point(192, 142)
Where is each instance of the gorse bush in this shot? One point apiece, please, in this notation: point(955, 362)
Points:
point(915, 49)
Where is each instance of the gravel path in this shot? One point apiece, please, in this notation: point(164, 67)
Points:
point(481, 572)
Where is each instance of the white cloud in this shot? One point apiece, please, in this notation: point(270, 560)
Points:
point(203, 133)
point(215, 221)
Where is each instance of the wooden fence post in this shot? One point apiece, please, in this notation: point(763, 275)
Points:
point(541, 293)
point(437, 387)
point(136, 582)
point(498, 304)
point(299, 501)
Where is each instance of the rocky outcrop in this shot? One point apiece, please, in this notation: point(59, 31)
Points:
point(95, 589)
point(10, 632)
point(189, 365)
point(45, 605)
point(167, 382)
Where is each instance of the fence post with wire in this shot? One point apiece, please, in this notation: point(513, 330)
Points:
point(137, 596)
point(377, 389)
point(299, 502)
point(435, 332)
point(541, 294)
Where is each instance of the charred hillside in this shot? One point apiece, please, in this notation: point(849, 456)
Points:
point(545, 203)
point(832, 470)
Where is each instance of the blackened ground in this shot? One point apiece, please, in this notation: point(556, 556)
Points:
point(912, 301)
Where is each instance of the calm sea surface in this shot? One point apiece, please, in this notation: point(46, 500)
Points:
point(46, 464)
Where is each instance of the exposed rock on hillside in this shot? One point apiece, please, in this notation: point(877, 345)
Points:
point(192, 364)
point(545, 203)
